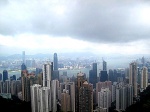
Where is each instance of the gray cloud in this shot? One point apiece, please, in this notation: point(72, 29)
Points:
point(109, 21)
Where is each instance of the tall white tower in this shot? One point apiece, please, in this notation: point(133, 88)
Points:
point(47, 75)
point(45, 99)
point(35, 105)
point(144, 78)
point(104, 98)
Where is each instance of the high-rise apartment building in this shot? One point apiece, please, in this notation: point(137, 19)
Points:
point(100, 85)
point(83, 94)
point(47, 73)
point(45, 100)
point(35, 97)
point(6, 86)
point(133, 77)
point(104, 98)
point(70, 87)
point(54, 94)
point(144, 78)
point(65, 101)
point(55, 61)
point(124, 97)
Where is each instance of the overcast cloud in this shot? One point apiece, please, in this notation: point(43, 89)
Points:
point(110, 22)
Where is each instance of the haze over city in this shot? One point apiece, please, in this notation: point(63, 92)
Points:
point(99, 26)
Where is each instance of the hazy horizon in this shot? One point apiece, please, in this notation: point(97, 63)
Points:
point(101, 27)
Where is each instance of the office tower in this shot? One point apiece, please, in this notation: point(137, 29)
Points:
point(103, 76)
point(133, 77)
point(45, 99)
point(12, 77)
point(144, 78)
point(115, 75)
point(23, 56)
point(111, 75)
point(93, 75)
point(55, 75)
point(65, 101)
point(0, 76)
point(47, 72)
point(55, 61)
point(83, 94)
point(143, 61)
point(104, 98)
point(54, 94)
point(23, 67)
point(104, 65)
point(35, 100)
point(5, 75)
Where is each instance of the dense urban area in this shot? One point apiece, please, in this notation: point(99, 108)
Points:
point(73, 85)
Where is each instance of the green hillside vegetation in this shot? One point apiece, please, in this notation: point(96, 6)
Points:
point(143, 105)
point(14, 105)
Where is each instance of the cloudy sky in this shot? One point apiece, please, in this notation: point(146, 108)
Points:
point(98, 26)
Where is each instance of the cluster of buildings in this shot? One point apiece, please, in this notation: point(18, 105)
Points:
point(97, 92)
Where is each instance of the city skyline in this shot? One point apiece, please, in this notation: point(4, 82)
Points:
point(102, 27)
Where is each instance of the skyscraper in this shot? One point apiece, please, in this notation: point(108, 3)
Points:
point(104, 98)
point(6, 86)
point(0, 76)
point(35, 100)
point(45, 99)
point(104, 65)
point(86, 97)
point(100, 85)
point(83, 95)
point(55, 61)
point(70, 87)
point(124, 97)
point(55, 75)
point(5, 75)
point(103, 76)
point(65, 101)
point(54, 94)
point(78, 84)
point(93, 75)
point(133, 77)
point(47, 75)
point(144, 78)
point(23, 56)
point(23, 67)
